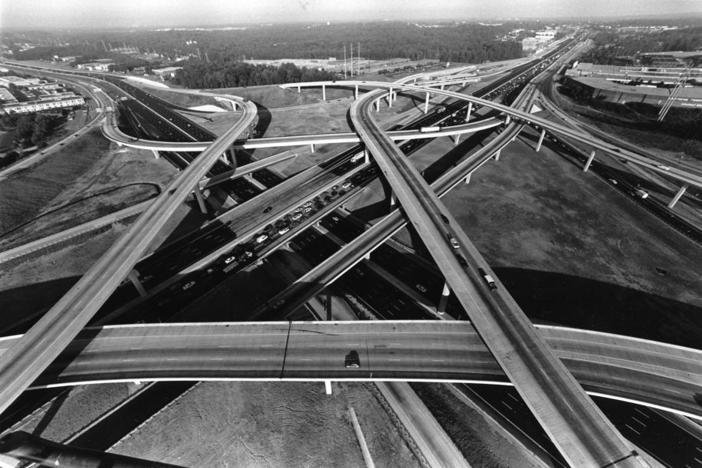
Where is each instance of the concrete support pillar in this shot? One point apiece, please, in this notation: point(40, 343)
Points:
point(377, 105)
point(312, 147)
point(470, 109)
point(468, 178)
point(589, 161)
point(366, 156)
point(393, 201)
point(155, 153)
point(298, 90)
point(541, 140)
point(456, 139)
point(367, 257)
point(200, 199)
point(134, 278)
point(355, 94)
point(392, 95)
point(441, 87)
point(441, 308)
point(324, 93)
point(426, 104)
point(389, 99)
point(677, 196)
point(508, 119)
point(327, 387)
point(497, 155)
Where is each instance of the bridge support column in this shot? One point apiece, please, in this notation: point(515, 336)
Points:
point(677, 196)
point(366, 156)
point(441, 308)
point(355, 93)
point(541, 140)
point(497, 155)
point(327, 387)
point(441, 87)
point(589, 161)
point(468, 179)
point(312, 147)
point(393, 201)
point(508, 119)
point(377, 105)
point(470, 108)
point(324, 93)
point(456, 139)
point(426, 104)
point(200, 199)
point(133, 276)
point(155, 153)
point(389, 99)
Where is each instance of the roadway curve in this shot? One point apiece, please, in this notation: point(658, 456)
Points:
point(577, 427)
point(683, 173)
point(26, 360)
point(655, 374)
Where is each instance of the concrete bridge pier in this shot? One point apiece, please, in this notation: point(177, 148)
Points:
point(678, 196)
point(541, 140)
point(456, 139)
point(589, 161)
point(426, 104)
point(200, 199)
point(156, 155)
point(324, 92)
point(377, 105)
point(445, 293)
point(366, 156)
point(467, 180)
point(133, 276)
point(497, 155)
point(328, 387)
point(470, 109)
point(355, 93)
point(312, 147)
point(298, 89)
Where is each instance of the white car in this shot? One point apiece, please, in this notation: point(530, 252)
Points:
point(283, 230)
point(261, 238)
point(188, 285)
point(420, 288)
point(229, 260)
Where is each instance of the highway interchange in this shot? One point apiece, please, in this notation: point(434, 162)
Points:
point(599, 443)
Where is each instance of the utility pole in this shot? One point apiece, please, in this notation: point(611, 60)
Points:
point(344, 61)
point(351, 59)
point(359, 59)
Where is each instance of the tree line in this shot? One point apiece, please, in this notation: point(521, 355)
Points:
point(231, 74)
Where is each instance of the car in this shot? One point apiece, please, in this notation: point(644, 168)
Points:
point(444, 219)
point(188, 285)
point(462, 261)
point(297, 215)
point(489, 280)
point(665, 168)
point(613, 181)
point(268, 209)
point(282, 230)
point(307, 209)
point(452, 240)
point(352, 361)
point(248, 254)
point(346, 186)
point(420, 288)
point(229, 260)
point(642, 194)
point(261, 238)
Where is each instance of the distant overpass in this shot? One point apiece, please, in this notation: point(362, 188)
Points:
point(671, 169)
point(654, 374)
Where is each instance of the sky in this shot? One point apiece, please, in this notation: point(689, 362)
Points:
point(134, 13)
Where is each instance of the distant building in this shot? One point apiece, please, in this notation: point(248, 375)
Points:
point(529, 44)
point(101, 66)
point(546, 35)
point(166, 73)
point(6, 96)
point(26, 95)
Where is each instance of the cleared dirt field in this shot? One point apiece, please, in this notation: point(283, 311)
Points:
point(252, 424)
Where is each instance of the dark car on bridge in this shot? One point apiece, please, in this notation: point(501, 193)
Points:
point(352, 361)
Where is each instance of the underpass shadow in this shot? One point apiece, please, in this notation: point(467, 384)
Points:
point(595, 305)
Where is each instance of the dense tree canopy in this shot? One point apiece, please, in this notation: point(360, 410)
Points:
point(227, 74)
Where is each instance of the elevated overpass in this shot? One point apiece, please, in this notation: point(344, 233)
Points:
point(30, 355)
point(583, 435)
point(683, 173)
point(645, 372)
